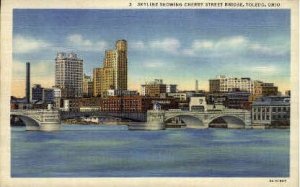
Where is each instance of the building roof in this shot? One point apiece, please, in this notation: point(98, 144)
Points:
point(272, 101)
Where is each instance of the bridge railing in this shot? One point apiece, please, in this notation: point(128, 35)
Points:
point(228, 111)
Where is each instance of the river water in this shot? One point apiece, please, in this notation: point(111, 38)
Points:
point(113, 151)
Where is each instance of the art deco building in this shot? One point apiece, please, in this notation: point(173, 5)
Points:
point(113, 74)
point(69, 74)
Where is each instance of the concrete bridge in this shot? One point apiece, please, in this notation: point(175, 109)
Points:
point(234, 118)
point(44, 120)
point(135, 116)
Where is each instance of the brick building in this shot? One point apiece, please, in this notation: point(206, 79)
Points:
point(135, 103)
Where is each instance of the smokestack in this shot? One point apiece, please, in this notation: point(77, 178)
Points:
point(28, 82)
point(196, 86)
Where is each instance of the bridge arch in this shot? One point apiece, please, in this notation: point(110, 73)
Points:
point(189, 120)
point(30, 123)
point(232, 121)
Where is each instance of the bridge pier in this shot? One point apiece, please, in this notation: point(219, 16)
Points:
point(155, 120)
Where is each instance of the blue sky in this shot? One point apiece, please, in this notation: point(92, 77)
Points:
point(178, 46)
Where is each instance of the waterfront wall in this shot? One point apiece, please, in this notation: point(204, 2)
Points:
point(135, 116)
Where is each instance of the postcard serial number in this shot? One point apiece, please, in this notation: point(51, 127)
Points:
point(278, 180)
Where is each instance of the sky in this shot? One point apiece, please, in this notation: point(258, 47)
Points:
point(178, 46)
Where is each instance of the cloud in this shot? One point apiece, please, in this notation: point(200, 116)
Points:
point(154, 64)
point(25, 44)
point(230, 43)
point(159, 64)
point(265, 69)
point(225, 45)
point(204, 44)
point(276, 50)
point(234, 45)
point(137, 45)
point(170, 45)
point(79, 43)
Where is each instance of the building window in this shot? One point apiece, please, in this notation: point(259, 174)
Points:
point(274, 109)
point(268, 117)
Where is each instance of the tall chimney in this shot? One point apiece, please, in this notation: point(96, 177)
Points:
point(196, 86)
point(28, 82)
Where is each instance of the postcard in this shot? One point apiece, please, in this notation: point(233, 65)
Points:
point(149, 93)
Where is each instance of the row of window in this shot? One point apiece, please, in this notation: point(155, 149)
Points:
point(274, 109)
point(274, 117)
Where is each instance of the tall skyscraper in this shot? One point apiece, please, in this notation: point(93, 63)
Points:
point(69, 74)
point(113, 74)
point(28, 82)
point(121, 65)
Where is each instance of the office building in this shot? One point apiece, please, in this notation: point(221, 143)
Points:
point(113, 74)
point(154, 88)
point(214, 85)
point(229, 84)
point(69, 74)
point(97, 82)
point(48, 95)
point(57, 97)
point(90, 89)
point(87, 86)
point(171, 88)
point(181, 96)
point(37, 92)
point(121, 93)
point(198, 104)
point(135, 103)
point(261, 89)
point(271, 111)
point(237, 100)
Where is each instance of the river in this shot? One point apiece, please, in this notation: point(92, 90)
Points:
point(113, 151)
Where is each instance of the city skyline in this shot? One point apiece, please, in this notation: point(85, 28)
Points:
point(185, 46)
